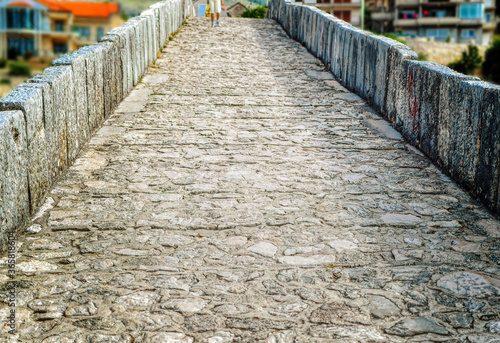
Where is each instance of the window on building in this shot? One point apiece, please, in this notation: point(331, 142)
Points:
point(100, 33)
point(343, 15)
point(20, 46)
point(468, 34)
point(59, 26)
point(82, 31)
point(407, 15)
point(471, 11)
point(85, 31)
point(60, 48)
point(488, 3)
point(438, 33)
point(487, 18)
point(20, 18)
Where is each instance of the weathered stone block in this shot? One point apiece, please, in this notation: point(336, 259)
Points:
point(350, 57)
point(338, 66)
point(303, 23)
point(157, 25)
point(135, 57)
point(120, 37)
point(140, 52)
point(333, 44)
point(281, 15)
point(78, 66)
point(489, 153)
point(308, 27)
point(95, 84)
point(358, 52)
point(320, 34)
point(396, 83)
point(408, 103)
point(314, 32)
point(30, 102)
point(66, 107)
point(296, 22)
point(449, 119)
point(326, 51)
point(112, 73)
point(15, 207)
point(51, 125)
point(464, 132)
point(56, 131)
point(150, 39)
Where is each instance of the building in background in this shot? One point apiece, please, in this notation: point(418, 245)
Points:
point(457, 21)
point(237, 9)
point(347, 10)
point(49, 28)
point(380, 15)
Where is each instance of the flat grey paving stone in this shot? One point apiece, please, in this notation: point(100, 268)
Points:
point(238, 195)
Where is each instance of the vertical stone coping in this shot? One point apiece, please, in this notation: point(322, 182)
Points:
point(46, 121)
point(453, 118)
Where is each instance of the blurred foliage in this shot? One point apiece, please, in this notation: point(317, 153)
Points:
point(470, 61)
point(395, 37)
point(491, 65)
point(19, 69)
point(258, 12)
point(125, 16)
point(3, 63)
point(422, 56)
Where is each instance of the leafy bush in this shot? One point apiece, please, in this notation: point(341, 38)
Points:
point(491, 65)
point(5, 82)
point(258, 12)
point(422, 56)
point(395, 37)
point(19, 69)
point(470, 61)
point(3, 63)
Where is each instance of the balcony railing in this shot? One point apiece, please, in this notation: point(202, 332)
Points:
point(433, 21)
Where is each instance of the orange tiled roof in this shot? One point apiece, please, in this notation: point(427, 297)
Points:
point(19, 4)
point(82, 9)
point(53, 5)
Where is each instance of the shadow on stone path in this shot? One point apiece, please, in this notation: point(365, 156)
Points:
point(240, 194)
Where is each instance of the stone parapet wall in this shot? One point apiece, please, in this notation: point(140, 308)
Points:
point(453, 118)
point(46, 121)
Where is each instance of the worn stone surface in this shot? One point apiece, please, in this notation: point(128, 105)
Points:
point(14, 189)
point(234, 196)
point(29, 100)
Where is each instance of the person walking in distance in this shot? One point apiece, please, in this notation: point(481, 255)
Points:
point(215, 8)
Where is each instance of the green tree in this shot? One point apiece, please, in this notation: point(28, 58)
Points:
point(491, 65)
point(258, 12)
point(470, 61)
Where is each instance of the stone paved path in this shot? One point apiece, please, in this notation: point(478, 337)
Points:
point(240, 194)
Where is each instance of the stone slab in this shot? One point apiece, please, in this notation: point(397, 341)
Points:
point(67, 108)
point(30, 102)
point(79, 70)
point(15, 207)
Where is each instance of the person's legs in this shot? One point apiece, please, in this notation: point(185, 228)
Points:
point(218, 8)
point(212, 5)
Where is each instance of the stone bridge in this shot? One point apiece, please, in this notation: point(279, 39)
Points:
point(238, 193)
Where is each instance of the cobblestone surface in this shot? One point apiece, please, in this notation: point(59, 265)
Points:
point(240, 194)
